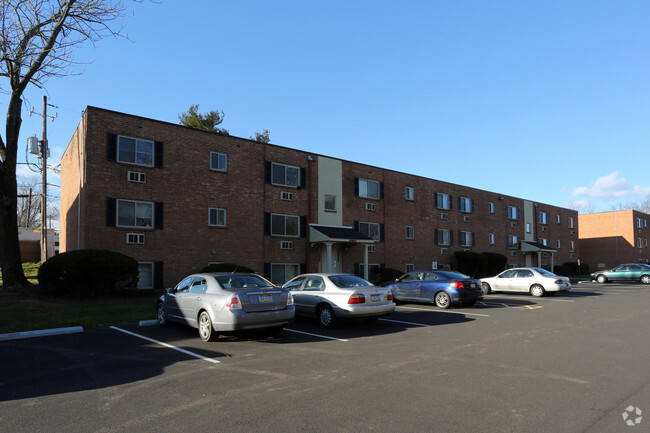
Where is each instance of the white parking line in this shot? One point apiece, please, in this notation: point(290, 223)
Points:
point(406, 323)
point(315, 335)
point(187, 352)
point(443, 311)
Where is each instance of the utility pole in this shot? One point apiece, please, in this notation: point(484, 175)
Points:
point(44, 185)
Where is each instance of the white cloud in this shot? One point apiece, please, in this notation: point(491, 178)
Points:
point(611, 187)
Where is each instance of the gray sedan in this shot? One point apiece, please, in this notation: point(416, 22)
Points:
point(333, 296)
point(222, 302)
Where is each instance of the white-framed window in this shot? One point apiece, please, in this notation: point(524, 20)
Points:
point(216, 217)
point(640, 242)
point(466, 204)
point(512, 212)
point(571, 222)
point(135, 151)
point(491, 239)
point(135, 238)
point(369, 189)
point(330, 203)
point(218, 161)
point(639, 223)
point(512, 241)
point(371, 248)
point(372, 230)
point(558, 219)
point(285, 225)
point(410, 267)
point(465, 239)
point(409, 193)
point(443, 201)
point(542, 217)
point(559, 244)
point(528, 228)
point(283, 272)
point(286, 195)
point(410, 232)
point(543, 241)
point(136, 176)
point(285, 175)
point(491, 207)
point(443, 237)
point(131, 213)
point(145, 271)
point(286, 245)
point(572, 246)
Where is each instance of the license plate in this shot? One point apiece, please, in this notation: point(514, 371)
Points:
point(375, 298)
point(265, 298)
point(473, 285)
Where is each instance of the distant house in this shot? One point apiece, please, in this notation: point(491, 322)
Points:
point(30, 244)
point(611, 238)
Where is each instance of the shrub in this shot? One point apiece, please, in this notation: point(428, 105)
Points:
point(227, 267)
point(378, 276)
point(479, 265)
point(88, 273)
point(572, 268)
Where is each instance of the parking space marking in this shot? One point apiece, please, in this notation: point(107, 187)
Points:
point(443, 311)
point(315, 335)
point(406, 323)
point(169, 346)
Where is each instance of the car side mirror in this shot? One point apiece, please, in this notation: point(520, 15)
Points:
point(170, 290)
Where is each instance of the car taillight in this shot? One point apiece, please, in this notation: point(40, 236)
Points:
point(234, 303)
point(458, 285)
point(559, 281)
point(357, 299)
point(289, 299)
point(389, 297)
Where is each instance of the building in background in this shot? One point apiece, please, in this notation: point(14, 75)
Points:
point(608, 239)
point(177, 199)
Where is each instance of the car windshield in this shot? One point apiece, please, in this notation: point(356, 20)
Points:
point(235, 281)
point(545, 272)
point(344, 281)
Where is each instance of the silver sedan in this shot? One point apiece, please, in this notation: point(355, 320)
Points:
point(223, 302)
point(536, 281)
point(333, 296)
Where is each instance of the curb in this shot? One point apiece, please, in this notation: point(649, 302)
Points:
point(148, 322)
point(41, 333)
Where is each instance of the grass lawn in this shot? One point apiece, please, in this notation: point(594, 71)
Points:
point(30, 310)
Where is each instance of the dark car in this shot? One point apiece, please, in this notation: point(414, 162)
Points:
point(443, 288)
point(625, 272)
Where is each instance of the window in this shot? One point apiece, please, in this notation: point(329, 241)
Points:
point(410, 232)
point(218, 161)
point(558, 244)
point(372, 230)
point(572, 245)
point(369, 189)
point(145, 270)
point(542, 217)
point(639, 223)
point(135, 238)
point(282, 272)
point(443, 201)
point(410, 267)
point(285, 195)
point(543, 241)
point(285, 225)
point(528, 228)
point(570, 222)
point(330, 203)
point(491, 207)
point(512, 242)
point(465, 204)
point(465, 239)
point(134, 214)
point(136, 176)
point(513, 213)
point(443, 237)
point(135, 151)
point(640, 242)
point(198, 285)
point(409, 193)
point(216, 217)
point(491, 239)
point(558, 219)
point(285, 175)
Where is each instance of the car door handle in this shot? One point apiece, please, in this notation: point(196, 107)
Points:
point(198, 298)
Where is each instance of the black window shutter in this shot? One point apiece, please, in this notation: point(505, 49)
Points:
point(472, 205)
point(267, 271)
point(303, 177)
point(356, 186)
point(381, 190)
point(111, 205)
point(158, 275)
point(267, 171)
point(267, 223)
point(451, 202)
point(357, 269)
point(356, 226)
point(303, 226)
point(303, 268)
point(381, 232)
point(158, 154)
point(459, 203)
point(158, 215)
point(435, 236)
point(111, 146)
point(473, 239)
point(451, 237)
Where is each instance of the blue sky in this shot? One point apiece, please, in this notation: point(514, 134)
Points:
point(548, 101)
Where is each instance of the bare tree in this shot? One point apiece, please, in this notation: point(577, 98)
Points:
point(29, 205)
point(37, 39)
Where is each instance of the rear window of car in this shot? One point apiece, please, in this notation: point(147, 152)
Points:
point(242, 281)
point(345, 281)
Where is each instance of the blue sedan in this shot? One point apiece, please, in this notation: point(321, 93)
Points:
point(443, 288)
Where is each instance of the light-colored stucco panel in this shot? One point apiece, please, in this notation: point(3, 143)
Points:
point(330, 182)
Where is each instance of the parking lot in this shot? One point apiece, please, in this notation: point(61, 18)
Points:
point(573, 362)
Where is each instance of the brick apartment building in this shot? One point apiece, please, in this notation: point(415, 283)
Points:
point(176, 199)
point(608, 239)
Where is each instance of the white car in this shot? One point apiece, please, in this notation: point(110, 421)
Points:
point(536, 281)
point(331, 296)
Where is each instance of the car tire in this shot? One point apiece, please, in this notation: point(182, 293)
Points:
point(162, 314)
point(442, 300)
point(601, 279)
point(645, 279)
point(326, 316)
point(537, 290)
point(486, 288)
point(206, 332)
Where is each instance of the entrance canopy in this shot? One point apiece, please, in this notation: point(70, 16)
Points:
point(537, 248)
point(330, 235)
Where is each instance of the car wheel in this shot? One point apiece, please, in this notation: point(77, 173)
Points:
point(645, 279)
point(601, 279)
point(442, 300)
point(162, 314)
point(326, 316)
point(205, 327)
point(537, 290)
point(486, 288)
